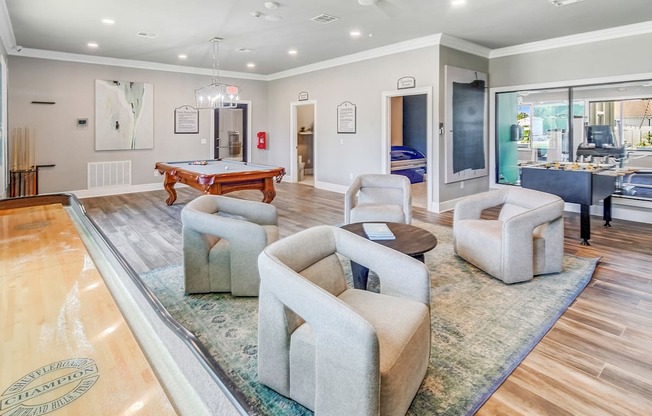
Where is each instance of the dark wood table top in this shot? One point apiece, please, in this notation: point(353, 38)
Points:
point(410, 239)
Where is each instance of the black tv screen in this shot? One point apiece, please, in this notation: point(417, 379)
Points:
point(600, 135)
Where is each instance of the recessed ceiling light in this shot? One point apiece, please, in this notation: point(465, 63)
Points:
point(355, 33)
point(183, 56)
point(251, 65)
point(271, 5)
point(244, 50)
point(108, 21)
point(457, 2)
point(371, 35)
point(292, 52)
point(92, 45)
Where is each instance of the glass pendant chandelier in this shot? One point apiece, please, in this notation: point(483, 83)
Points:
point(216, 95)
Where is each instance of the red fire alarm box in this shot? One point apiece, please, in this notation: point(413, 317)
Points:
point(262, 140)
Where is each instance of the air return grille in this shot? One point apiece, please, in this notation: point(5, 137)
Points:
point(107, 174)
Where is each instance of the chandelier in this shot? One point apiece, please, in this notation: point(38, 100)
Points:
point(216, 95)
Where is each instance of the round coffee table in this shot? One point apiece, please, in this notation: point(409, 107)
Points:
point(410, 240)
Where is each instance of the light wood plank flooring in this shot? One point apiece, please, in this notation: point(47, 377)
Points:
point(597, 359)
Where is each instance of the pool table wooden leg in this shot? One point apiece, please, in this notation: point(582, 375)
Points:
point(268, 190)
point(168, 184)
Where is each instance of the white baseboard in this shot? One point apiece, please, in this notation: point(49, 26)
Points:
point(621, 209)
point(117, 190)
point(331, 187)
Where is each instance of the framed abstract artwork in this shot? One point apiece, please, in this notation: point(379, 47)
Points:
point(465, 124)
point(124, 115)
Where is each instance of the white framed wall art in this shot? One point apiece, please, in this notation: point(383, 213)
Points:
point(124, 115)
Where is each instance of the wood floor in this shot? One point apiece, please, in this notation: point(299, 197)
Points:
point(597, 359)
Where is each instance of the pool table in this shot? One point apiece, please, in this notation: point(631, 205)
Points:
point(219, 177)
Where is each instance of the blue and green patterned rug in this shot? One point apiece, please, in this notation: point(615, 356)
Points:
point(481, 328)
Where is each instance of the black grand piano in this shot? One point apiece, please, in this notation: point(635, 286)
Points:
point(578, 183)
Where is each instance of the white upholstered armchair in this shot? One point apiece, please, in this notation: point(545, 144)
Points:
point(336, 350)
point(222, 238)
point(526, 240)
point(378, 197)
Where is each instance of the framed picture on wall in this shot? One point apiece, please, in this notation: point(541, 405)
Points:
point(346, 118)
point(124, 115)
point(465, 124)
point(186, 120)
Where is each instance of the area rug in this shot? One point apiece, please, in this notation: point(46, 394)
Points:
point(481, 328)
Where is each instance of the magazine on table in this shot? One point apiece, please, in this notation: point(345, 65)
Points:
point(377, 231)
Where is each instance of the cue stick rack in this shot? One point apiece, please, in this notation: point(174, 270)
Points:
point(23, 180)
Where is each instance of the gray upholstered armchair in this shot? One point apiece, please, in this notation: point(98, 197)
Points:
point(378, 197)
point(526, 240)
point(222, 238)
point(336, 350)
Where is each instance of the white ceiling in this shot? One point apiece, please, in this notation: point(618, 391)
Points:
point(186, 27)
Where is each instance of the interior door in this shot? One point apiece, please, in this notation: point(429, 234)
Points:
point(230, 141)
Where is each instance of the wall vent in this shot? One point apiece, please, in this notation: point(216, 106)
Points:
point(107, 174)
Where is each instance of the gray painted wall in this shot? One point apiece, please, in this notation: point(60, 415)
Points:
point(453, 57)
point(616, 57)
point(338, 156)
point(72, 87)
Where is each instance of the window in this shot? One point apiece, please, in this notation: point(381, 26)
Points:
point(531, 127)
point(544, 125)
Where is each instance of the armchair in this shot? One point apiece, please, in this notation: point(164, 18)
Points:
point(336, 350)
point(378, 197)
point(526, 240)
point(222, 238)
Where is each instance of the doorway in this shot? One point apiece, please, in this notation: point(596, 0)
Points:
point(407, 140)
point(302, 130)
point(231, 133)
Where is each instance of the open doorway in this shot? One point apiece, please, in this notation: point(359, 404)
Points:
point(231, 133)
point(407, 139)
point(302, 129)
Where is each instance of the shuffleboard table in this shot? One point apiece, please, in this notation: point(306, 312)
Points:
point(219, 177)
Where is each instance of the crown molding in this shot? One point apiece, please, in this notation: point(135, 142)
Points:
point(572, 40)
point(408, 45)
point(9, 42)
point(127, 63)
point(6, 29)
point(464, 45)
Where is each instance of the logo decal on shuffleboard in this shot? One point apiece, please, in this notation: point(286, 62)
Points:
point(49, 388)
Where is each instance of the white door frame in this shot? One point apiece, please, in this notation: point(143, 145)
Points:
point(294, 171)
point(386, 140)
